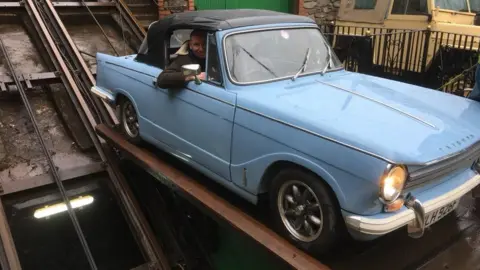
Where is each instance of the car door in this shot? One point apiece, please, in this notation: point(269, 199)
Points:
point(197, 121)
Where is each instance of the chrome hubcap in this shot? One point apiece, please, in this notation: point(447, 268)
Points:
point(130, 121)
point(300, 210)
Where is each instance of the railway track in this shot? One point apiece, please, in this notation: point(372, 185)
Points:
point(49, 158)
point(47, 65)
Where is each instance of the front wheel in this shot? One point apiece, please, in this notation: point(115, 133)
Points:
point(304, 211)
point(129, 121)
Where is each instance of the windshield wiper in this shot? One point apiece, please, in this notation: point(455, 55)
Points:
point(258, 61)
point(304, 65)
point(329, 60)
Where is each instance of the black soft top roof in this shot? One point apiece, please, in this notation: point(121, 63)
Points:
point(225, 19)
point(211, 20)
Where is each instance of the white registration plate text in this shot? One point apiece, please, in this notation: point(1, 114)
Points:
point(439, 213)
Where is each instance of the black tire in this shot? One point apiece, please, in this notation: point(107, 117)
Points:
point(282, 185)
point(127, 109)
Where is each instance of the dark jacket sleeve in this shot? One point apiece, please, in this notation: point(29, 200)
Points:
point(172, 76)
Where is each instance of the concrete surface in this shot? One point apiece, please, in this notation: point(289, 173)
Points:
point(90, 39)
point(21, 156)
point(23, 54)
point(437, 247)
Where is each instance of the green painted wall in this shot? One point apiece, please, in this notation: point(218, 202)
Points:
point(210, 4)
point(277, 5)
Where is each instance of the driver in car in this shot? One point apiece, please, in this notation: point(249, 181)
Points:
point(191, 52)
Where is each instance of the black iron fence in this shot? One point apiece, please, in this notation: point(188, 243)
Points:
point(439, 60)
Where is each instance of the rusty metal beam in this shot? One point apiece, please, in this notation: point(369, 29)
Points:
point(67, 113)
point(142, 231)
point(46, 179)
point(33, 79)
point(80, 4)
point(30, 79)
point(78, 59)
point(7, 241)
point(127, 15)
point(146, 266)
point(130, 206)
point(220, 207)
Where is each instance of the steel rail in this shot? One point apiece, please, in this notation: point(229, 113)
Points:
point(57, 37)
point(144, 234)
point(72, 62)
point(96, 21)
point(130, 207)
point(72, 121)
point(131, 20)
point(79, 63)
point(51, 164)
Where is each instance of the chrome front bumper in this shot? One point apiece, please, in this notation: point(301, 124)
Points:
point(413, 216)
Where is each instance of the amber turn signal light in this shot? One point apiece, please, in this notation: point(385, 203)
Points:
point(394, 206)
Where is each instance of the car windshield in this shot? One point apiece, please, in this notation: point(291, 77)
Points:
point(458, 5)
point(280, 53)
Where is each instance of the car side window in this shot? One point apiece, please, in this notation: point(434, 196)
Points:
point(178, 37)
point(214, 74)
point(365, 4)
point(410, 7)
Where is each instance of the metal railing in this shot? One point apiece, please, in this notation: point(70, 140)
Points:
point(438, 60)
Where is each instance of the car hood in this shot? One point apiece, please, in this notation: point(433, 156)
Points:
point(396, 121)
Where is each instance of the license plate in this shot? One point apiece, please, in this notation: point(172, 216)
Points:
point(439, 213)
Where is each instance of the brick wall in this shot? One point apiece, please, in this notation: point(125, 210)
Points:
point(319, 10)
point(301, 8)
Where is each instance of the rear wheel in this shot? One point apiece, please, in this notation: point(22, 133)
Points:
point(304, 210)
point(129, 121)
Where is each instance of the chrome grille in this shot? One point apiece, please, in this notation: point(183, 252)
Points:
point(445, 167)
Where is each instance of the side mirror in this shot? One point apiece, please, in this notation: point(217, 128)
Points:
point(192, 69)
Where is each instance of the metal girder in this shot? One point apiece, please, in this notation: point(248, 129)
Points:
point(80, 4)
point(127, 15)
point(47, 23)
point(46, 179)
point(194, 191)
point(85, 78)
point(13, 262)
point(142, 231)
point(30, 79)
point(66, 112)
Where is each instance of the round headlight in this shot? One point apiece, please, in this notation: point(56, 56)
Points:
point(392, 182)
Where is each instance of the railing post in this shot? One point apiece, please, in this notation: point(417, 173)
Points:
point(426, 45)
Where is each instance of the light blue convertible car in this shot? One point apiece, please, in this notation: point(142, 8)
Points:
point(277, 115)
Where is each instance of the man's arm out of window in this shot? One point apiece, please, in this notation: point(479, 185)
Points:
point(171, 77)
